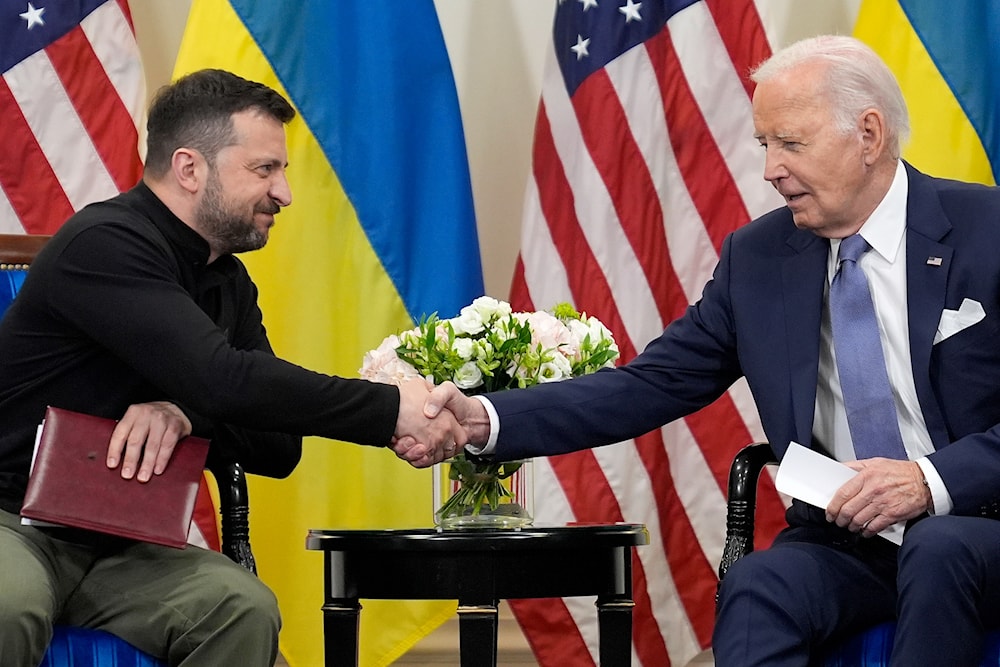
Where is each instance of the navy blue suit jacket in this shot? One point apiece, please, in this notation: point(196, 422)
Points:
point(759, 317)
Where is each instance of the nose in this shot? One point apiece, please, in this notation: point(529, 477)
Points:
point(774, 166)
point(280, 191)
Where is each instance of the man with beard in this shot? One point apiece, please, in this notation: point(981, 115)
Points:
point(137, 310)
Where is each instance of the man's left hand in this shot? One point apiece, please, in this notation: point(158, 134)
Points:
point(884, 492)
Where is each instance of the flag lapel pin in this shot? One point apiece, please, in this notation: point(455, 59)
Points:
point(934, 261)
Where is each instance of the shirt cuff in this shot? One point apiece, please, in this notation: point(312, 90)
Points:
point(941, 499)
point(491, 443)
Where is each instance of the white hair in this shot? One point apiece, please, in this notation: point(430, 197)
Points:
point(856, 79)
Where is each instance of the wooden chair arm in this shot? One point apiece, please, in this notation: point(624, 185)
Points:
point(234, 507)
point(742, 501)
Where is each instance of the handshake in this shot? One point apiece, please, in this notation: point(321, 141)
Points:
point(436, 422)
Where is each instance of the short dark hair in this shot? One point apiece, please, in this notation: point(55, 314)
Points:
point(196, 111)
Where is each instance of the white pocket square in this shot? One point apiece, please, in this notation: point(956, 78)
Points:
point(953, 321)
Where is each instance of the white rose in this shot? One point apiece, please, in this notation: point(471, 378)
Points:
point(469, 322)
point(579, 330)
point(490, 308)
point(464, 347)
point(598, 333)
point(468, 376)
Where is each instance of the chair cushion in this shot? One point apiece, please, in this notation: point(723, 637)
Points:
point(867, 649)
point(10, 282)
point(82, 647)
point(873, 647)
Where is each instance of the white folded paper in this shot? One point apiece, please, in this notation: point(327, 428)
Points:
point(813, 478)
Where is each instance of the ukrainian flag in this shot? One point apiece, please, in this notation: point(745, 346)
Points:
point(381, 231)
point(945, 56)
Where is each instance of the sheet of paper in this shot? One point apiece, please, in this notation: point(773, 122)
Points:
point(25, 521)
point(813, 478)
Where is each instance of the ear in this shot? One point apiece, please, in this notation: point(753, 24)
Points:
point(873, 136)
point(189, 168)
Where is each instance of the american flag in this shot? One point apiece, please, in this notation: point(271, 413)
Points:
point(72, 101)
point(72, 111)
point(643, 161)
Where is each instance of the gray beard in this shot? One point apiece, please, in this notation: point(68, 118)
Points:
point(228, 231)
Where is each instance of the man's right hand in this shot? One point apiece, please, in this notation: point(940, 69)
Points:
point(445, 400)
point(420, 439)
point(469, 412)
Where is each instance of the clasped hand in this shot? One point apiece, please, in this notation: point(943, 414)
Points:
point(884, 492)
point(434, 425)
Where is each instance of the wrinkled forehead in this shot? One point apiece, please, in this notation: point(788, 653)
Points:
point(794, 96)
point(258, 133)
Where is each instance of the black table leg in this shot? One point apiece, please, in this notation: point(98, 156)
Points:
point(614, 617)
point(340, 633)
point(477, 630)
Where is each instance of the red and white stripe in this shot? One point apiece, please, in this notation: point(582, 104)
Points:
point(72, 118)
point(636, 181)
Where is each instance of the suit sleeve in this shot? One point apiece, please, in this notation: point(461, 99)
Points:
point(687, 367)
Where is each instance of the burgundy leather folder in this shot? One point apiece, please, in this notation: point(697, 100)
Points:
point(71, 485)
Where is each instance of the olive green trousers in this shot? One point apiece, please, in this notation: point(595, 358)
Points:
point(190, 607)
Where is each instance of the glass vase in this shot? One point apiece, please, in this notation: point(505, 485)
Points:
point(468, 494)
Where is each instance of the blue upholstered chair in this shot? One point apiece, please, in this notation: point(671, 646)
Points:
point(867, 649)
point(82, 647)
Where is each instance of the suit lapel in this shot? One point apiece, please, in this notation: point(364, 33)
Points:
point(803, 275)
point(928, 263)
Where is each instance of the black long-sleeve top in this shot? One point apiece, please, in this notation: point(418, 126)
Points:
point(121, 307)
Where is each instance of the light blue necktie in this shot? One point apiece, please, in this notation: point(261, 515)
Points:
point(871, 413)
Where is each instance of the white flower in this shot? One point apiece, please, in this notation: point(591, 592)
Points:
point(483, 349)
point(490, 309)
point(468, 376)
point(465, 347)
point(469, 321)
point(557, 369)
point(600, 333)
point(578, 329)
point(409, 338)
point(488, 347)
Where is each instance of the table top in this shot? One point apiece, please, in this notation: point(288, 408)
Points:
point(474, 539)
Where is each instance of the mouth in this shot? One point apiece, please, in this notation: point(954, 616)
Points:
point(265, 219)
point(268, 213)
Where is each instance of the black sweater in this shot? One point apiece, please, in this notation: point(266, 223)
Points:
point(120, 307)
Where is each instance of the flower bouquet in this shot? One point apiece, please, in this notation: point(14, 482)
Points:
point(488, 347)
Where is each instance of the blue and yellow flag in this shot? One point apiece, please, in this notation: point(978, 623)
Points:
point(381, 231)
point(944, 55)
